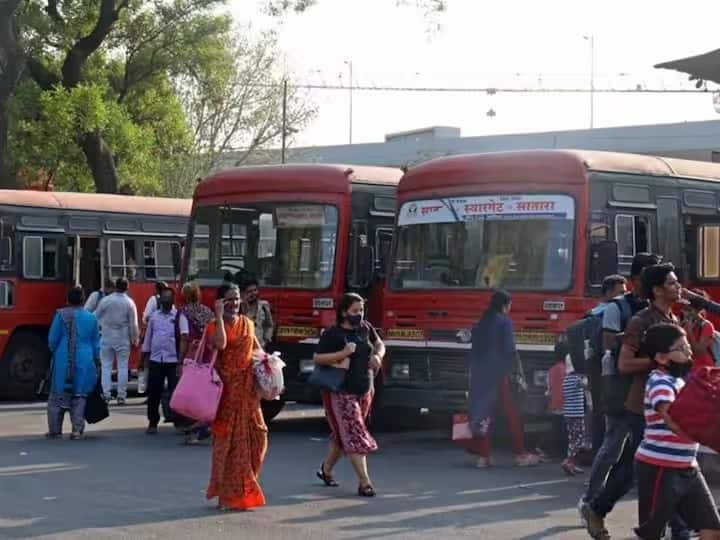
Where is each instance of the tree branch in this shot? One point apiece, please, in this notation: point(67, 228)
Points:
point(44, 78)
point(52, 10)
point(81, 51)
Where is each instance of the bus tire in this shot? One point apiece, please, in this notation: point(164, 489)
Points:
point(25, 364)
point(271, 409)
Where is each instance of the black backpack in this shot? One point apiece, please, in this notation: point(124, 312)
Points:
point(586, 331)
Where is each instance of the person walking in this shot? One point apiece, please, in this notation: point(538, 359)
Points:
point(257, 311)
point(193, 318)
point(493, 360)
point(239, 430)
point(74, 342)
point(117, 315)
point(160, 353)
point(573, 387)
point(96, 297)
point(354, 345)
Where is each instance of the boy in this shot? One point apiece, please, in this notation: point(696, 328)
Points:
point(669, 480)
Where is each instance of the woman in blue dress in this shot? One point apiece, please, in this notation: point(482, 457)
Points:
point(74, 342)
point(492, 363)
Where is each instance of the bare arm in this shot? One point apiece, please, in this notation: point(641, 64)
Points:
point(379, 348)
point(330, 359)
point(629, 364)
point(134, 328)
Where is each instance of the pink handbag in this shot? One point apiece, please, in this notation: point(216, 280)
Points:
point(197, 394)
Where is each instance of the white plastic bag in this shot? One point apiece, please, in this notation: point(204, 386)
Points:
point(268, 369)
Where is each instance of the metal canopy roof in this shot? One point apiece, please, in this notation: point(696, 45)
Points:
point(704, 67)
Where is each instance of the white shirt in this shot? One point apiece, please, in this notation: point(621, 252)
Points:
point(183, 325)
point(117, 315)
point(150, 308)
point(93, 301)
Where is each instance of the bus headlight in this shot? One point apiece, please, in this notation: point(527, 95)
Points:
point(307, 366)
point(540, 378)
point(400, 371)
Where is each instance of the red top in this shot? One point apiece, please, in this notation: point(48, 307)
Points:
point(556, 376)
point(703, 332)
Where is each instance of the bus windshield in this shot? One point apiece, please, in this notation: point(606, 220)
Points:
point(280, 245)
point(516, 242)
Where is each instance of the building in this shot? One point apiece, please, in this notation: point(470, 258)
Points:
point(688, 140)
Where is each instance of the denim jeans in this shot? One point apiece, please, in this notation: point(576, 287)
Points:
point(616, 435)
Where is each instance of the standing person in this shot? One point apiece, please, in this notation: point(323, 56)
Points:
point(117, 314)
point(151, 306)
point(160, 353)
point(700, 333)
point(662, 288)
point(669, 479)
point(193, 317)
point(613, 287)
point(354, 345)
point(74, 341)
point(257, 311)
point(492, 361)
point(616, 315)
point(96, 297)
point(574, 413)
point(556, 377)
point(239, 431)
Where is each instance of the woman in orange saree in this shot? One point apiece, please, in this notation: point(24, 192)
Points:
point(239, 431)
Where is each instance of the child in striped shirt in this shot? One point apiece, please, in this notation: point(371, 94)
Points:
point(574, 386)
point(669, 480)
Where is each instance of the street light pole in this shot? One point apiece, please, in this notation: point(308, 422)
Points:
point(591, 40)
point(350, 87)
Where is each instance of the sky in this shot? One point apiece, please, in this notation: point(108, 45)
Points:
point(483, 44)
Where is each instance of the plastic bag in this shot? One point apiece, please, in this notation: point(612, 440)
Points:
point(268, 370)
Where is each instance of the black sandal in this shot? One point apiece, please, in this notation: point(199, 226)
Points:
point(328, 480)
point(366, 491)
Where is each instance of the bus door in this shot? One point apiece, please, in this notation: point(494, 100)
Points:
point(85, 259)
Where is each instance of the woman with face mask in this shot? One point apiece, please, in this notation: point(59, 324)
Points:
point(239, 431)
point(354, 345)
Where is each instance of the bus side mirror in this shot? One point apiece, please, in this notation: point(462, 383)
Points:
point(603, 260)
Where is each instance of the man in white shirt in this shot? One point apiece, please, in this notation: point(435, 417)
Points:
point(117, 315)
point(153, 303)
point(96, 297)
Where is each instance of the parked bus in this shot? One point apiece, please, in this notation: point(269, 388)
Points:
point(50, 241)
point(307, 233)
point(545, 225)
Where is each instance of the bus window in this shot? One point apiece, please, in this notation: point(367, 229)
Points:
point(383, 244)
point(122, 260)
point(632, 234)
point(162, 259)
point(6, 246)
point(709, 252)
point(40, 257)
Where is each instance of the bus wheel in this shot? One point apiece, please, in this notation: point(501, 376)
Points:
point(24, 365)
point(271, 409)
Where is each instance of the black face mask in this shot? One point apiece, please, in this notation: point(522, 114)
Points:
point(166, 305)
point(679, 370)
point(354, 320)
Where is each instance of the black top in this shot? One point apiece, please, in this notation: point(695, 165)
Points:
point(334, 339)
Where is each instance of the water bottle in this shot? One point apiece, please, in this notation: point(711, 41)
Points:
point(141, 382)
point(608, 364)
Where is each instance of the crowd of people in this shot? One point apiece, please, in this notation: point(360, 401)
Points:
point(614, 405)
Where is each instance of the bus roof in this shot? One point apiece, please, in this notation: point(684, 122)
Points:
point(96, 202)
point(323, 178)
point(566, 166)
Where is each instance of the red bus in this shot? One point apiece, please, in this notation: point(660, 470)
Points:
point(307, 233)
point(545, 225)
point(50, 241)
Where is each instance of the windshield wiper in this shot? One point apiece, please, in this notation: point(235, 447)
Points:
point(450, 207)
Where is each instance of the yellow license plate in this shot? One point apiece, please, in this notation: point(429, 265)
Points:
point(297, 331)
point(534, 338)
point(404, 333)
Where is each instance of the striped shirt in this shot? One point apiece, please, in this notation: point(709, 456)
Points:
point(573, 396)
point(660, 445)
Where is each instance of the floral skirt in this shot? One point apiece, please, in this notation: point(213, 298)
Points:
point(347, 415)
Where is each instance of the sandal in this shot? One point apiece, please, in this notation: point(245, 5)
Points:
point(366, 491)
point(328, 480)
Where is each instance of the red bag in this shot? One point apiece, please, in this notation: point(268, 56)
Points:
point(697, 407)
point(461, 433)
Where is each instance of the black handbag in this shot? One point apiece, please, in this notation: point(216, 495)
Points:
point(96, 408)
point(328, 378)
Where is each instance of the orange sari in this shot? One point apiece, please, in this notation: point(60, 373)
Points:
point(239, 431)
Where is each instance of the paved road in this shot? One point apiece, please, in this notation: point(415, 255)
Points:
point(121, 484)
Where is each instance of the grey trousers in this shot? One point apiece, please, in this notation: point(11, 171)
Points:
point(58, 404)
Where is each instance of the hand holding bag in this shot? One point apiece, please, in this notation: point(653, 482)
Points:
point(199, 390)
point(268, 369)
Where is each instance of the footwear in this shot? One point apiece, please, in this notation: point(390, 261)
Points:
point(569, 467)
point(482, 463)
point(327, 479)
point(542, 456)
point(582, 503)
point(527, 460)
point(121, 401)
point(594, 524)
point(366, 491)
point(53, 436)
point(76, 436)
point(151, 430)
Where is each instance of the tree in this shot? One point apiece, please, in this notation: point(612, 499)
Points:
point(233, 103)
point(10, 68)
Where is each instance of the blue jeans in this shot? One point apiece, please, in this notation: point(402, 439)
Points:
point(613, 471)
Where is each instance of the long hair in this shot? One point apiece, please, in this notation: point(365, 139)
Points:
point(347, 300)
point(498, 301)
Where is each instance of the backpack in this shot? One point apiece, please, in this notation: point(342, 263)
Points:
point(585, 337)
